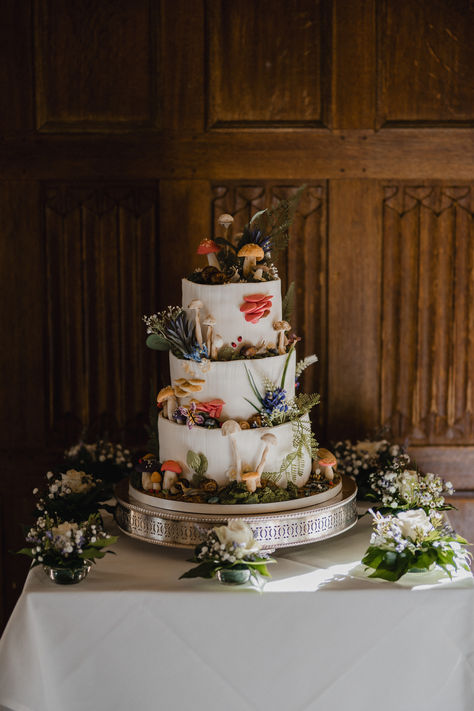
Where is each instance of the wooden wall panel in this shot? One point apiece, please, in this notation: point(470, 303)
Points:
point(96, 65)
point(428, 313)
point(22, 317)
point(102, 265)
point(354, 293)
point(425, 60)
point(265, 63)
point(305, 263)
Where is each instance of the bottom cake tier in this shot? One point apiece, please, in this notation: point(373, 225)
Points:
point(248, 445)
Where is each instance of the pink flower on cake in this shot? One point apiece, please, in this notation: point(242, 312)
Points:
point(256, 306)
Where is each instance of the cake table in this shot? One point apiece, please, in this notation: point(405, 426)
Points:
point(321, 637)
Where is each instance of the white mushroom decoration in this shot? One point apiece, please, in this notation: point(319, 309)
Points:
point(225, 220)
point(146, 481)
point(281, 327)
point(195, 305)
point(210, 322)
point(252, 480)
point(170, 470)
point(327, 463)
point(229, 429)
point(167, 396)
point(156, 480)
point(217, 343)
point(269, 440)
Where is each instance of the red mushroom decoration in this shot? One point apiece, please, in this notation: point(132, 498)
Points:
point(210, 248)
point(170, 470)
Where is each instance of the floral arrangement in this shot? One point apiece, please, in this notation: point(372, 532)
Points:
point(363, 459)
point(409, 489)
point(413, 540)
point(71, 496)
point(230, 548)
point(171, 329)
point(66, 544)
point(109, 461)
point(274, 407)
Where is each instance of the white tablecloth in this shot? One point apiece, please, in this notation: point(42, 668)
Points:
point(321, 636)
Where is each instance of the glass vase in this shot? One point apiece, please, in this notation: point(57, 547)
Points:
point(239, 575)
point(67, 576)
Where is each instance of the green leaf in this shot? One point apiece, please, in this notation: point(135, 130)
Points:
point(193, 461)
point(203, 570)
point(157, 343)
point(251, 403)
point(257, 215)
point(203, 464)
point(288, 304)
point(25, 551)
point(287, 361)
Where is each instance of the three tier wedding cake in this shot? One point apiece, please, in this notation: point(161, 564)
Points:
point(232, 429)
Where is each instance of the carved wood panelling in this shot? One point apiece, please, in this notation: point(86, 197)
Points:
point(265, 63)
point(425, 60)
point(101, 269)
point(304, 262)
point(428, 313)
point(95, 66)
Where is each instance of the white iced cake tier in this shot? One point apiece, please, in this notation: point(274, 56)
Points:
point(176, 440)
point(229, 381)
point(224, 302)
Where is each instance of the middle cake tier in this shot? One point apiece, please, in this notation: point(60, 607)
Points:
point(231, 381)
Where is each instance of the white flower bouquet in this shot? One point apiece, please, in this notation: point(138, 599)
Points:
point(66, 544)
point(71, 496)
point(413, 540)
point(230, 548)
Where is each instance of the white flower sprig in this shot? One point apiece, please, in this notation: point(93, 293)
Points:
point(411, 489)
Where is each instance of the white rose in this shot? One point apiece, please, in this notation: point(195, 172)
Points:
point(237, 532)
point(408, 480)
point(64, 528)
point(73, 480)
point(414, 524)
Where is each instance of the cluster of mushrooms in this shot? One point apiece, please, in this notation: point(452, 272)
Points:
point(169, 478)
point(251, 253)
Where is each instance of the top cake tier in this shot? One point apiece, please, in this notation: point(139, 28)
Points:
point(243, 312)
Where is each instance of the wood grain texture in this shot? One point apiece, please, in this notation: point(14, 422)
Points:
point(263, 71)
point(425, 60)
point(354, 292)
point(182, 77)
point(354, 64)
point(16, 68)
point(428, 313)
point(102, 261)
point(95, 65)
point(22, 317)
point(287, 155)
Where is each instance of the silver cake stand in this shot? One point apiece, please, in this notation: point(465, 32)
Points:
point(273, 530)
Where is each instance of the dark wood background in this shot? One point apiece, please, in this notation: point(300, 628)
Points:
point(127, 125)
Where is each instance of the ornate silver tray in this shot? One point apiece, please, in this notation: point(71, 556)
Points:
point(272, 530)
